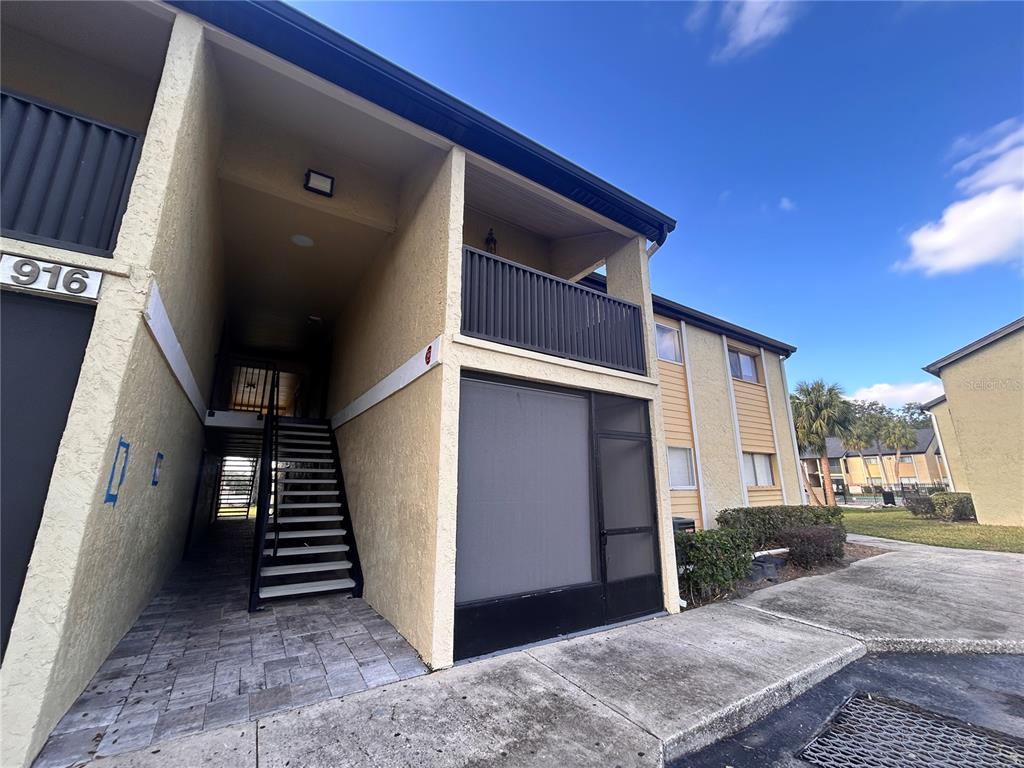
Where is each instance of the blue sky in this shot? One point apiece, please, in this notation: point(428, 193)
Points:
point(847, 177)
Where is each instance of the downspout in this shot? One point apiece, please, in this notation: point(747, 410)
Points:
point(938, 436)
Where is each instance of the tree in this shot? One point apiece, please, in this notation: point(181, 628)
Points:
point(899, 435)
point(869, 419)
point(861, 439)
point(915, 415)
point(820, 412)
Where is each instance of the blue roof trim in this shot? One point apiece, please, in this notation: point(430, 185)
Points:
point(294, 37)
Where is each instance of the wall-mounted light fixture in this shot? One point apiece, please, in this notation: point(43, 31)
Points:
point(491, 243)
point(320, 183)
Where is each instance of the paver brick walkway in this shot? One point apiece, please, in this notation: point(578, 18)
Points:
point(197, 660)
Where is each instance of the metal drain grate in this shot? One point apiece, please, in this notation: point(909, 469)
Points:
point(877, 732)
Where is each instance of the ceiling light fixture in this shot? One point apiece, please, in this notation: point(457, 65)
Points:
point(320, 183)
point(303, 241)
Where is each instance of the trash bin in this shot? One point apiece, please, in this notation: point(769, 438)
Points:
point(683, 524)
point(888, 498)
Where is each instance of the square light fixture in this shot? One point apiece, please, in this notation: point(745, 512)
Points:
point(320, 183)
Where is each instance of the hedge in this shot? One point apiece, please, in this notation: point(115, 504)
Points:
point(763, 524)
point(953, 506)
point(711, 562)
point(919, 505)
point(812, 545)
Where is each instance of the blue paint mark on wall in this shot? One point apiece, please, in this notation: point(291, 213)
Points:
point(156, 467)
point(120, 459)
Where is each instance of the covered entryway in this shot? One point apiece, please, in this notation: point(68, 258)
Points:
point(555, 513)
point(196, 659)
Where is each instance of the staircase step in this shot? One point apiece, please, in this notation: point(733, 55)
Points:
point(308, 533)
point(310, 505)
point(322, 549)
point(308, 482)
point(288, 570)
point(305, 459)
point(309, 493)
point(297, 441)
point(307, 587)
point(310, 518)
point(297, 425)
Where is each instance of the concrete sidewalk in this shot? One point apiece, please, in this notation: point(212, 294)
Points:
point(644, 694)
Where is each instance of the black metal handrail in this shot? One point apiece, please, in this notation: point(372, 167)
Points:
point(268, 461)
point(242, 384)
point(506, 302)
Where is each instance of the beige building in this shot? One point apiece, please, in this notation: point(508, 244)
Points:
point(252, 270)
point(979, 422)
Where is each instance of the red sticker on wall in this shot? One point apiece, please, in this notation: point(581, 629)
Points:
point(426, 357)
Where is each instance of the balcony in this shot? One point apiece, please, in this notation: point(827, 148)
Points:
point(510, 304)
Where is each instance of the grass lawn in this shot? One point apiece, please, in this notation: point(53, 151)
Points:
point(900, 524)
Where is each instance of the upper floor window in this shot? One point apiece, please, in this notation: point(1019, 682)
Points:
point(669, 347)
point(906, 459)
point(743, 366)
point(835, 465)
point(681, 474)
point(757, 470)
point(873, 460)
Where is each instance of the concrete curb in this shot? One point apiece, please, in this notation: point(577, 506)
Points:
point(742, 713)
point(889, 644)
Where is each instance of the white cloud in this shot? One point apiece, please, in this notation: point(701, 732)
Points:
point(988, 226)
point(751, 24)
point(785, 204)
point(698, 17)
point(898, 395)
point(985, 229)
point(1007, 168)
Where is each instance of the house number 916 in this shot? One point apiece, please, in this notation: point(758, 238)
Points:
point(45, 277)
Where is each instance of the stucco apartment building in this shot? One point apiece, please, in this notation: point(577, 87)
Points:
point(921, 465)
point(979, 422)
point(229, 231)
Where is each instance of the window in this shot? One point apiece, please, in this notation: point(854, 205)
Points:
point(668, 343)
point(871, 460)
point(757, 470)
point(835, 466)
point(680, 469)
point(906, 459)
point(742, 366)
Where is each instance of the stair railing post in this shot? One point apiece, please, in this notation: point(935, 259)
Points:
point(266, 470)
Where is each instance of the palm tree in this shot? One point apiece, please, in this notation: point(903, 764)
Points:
point(820, 412)
point(898, 434)
point(858, 440)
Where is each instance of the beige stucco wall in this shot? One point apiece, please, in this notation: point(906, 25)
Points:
point(985, 394)
point(95, 565)
point(786, 457)
point(515, 243)
point(720, 469)
point(390, 453)
point(951, 447)
point(37, 68)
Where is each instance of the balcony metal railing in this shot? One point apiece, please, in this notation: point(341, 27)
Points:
point(511, 304)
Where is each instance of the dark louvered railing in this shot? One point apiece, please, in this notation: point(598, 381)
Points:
point(65, 178)
point(505, 302)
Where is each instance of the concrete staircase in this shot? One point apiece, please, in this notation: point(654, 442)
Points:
point(309, 546)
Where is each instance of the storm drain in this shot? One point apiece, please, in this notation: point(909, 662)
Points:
point(887, 733)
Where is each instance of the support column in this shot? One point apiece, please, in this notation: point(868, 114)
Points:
point(629, 278)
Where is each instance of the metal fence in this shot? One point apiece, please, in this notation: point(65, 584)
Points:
point(506, 302)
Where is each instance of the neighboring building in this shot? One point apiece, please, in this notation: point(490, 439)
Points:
point(980, 422)
point(231, 234)
point(728, 427)
point(918, 466)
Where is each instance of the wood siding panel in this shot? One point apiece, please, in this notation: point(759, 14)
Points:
point(755, 419)
point(687, 504)
point(675, 404)
point(762, 497)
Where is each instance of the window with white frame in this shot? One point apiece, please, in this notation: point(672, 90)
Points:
point(669, 347)
point(757, 470)
point(906, 459)
point(681, 473)
point(871, 460)
point(743, 366)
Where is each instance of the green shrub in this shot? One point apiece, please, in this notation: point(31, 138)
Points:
point(711, 562)
point(813, 544)
point(763, 524)
point(919, 505)
point(953, 506)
